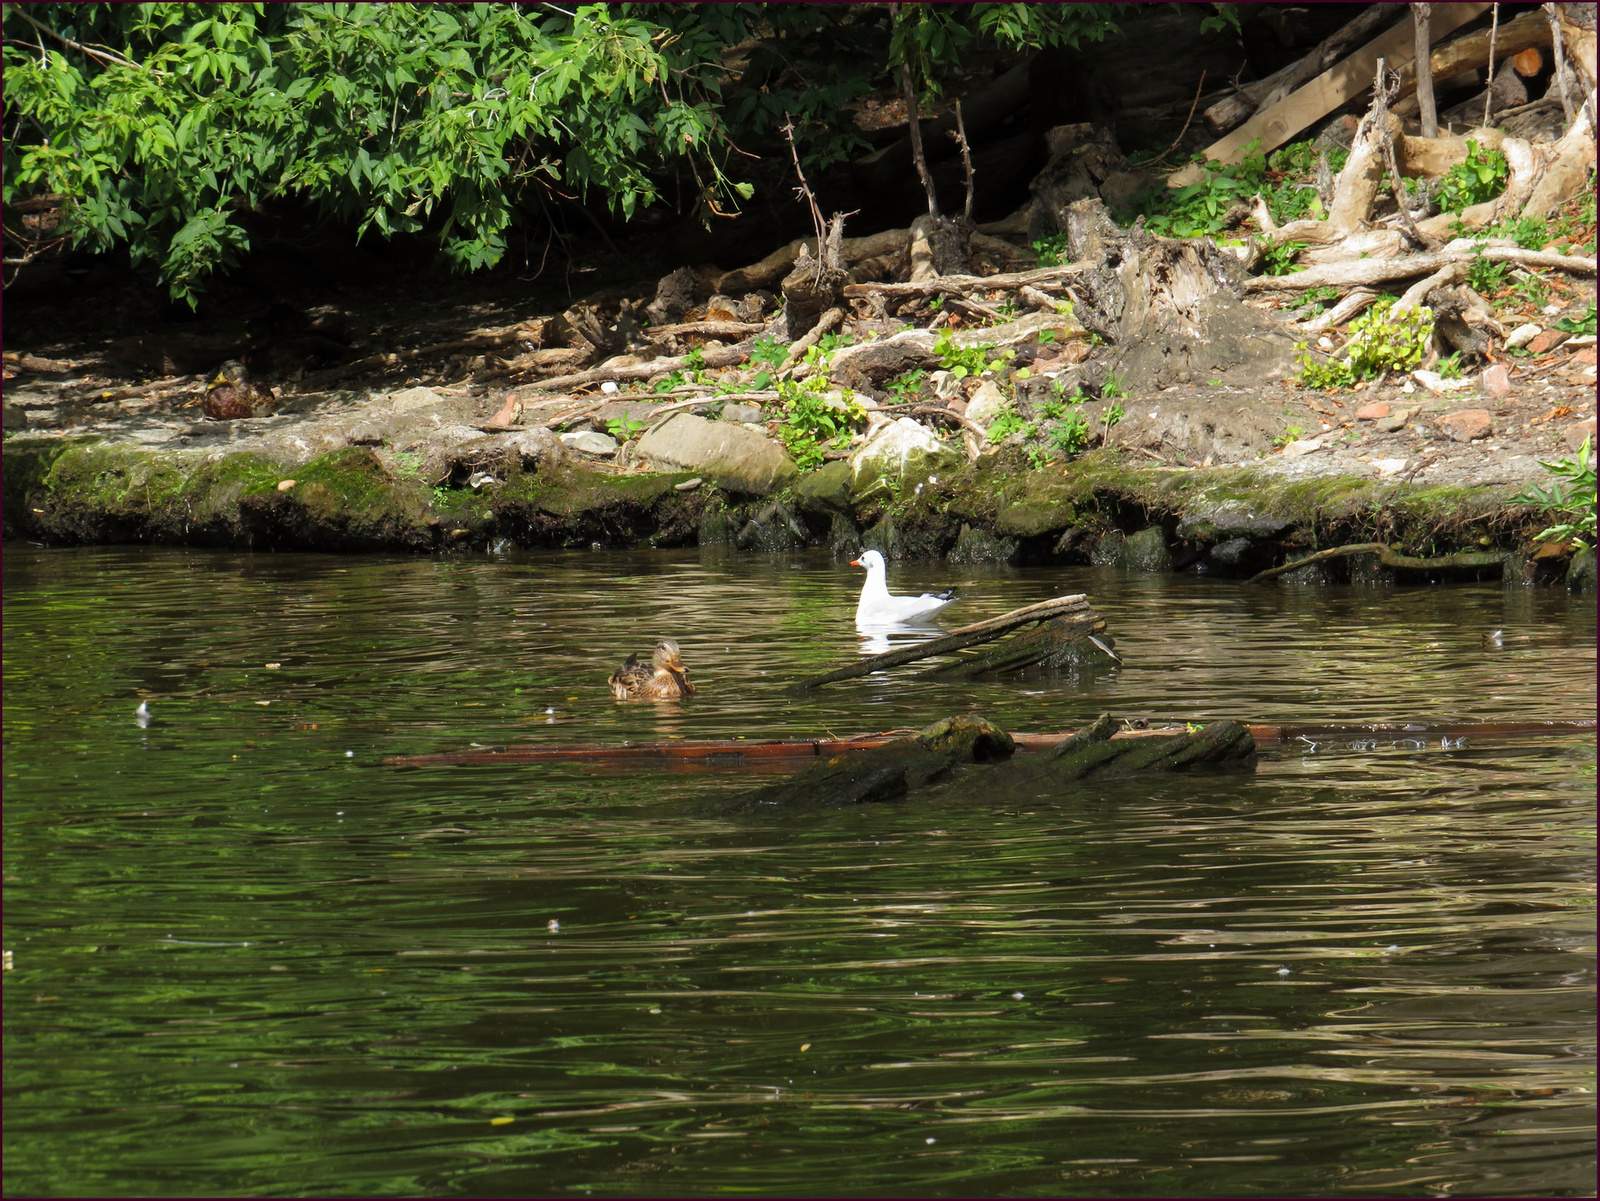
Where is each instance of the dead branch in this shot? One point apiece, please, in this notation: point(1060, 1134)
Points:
point(1179, 139)
point(1488, 96)
point(1378, 271)
point(727, 356)
point(829, 321)
point(711, 329)
point(1388, 557)
point(1418, 292)
point(914, 126)
point(1424, 66)
point(960, 136)
point(1382, 93)
point(1347, 308)
point(965, 283)
point(804, 190)
point(1559, 51)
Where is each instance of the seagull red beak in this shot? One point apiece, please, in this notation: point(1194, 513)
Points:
point(855, 562)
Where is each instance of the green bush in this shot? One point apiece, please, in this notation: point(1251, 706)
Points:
point(1481, 177)
point(1380, 341)
point(814, 420)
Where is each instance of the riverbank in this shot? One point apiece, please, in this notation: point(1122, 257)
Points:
point(1189, 481)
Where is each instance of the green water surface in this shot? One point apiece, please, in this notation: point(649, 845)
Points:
point(252, 959)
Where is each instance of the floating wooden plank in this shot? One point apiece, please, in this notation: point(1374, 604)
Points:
point(1346, 79)
point(778, 754)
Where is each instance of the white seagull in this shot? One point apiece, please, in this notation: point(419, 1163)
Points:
point(877, 607)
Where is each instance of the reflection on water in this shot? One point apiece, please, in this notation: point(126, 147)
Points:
point(249, 958)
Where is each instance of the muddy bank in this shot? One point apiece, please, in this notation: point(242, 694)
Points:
point(424, 470)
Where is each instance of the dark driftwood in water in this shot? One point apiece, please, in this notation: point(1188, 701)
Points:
point(1387, 557)
point(983, 631)
point(1101, 750)
point(886, 772)
point(737, 753)
point(932, 758)
point(1057, 643)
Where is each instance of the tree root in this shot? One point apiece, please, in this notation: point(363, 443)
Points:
point(1387, 557)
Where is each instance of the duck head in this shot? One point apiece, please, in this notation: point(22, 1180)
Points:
point(667, 656)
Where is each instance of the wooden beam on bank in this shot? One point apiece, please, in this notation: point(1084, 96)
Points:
point(1335, 86)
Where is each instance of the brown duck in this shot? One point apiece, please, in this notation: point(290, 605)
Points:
point(232, 395)
point(665, 679)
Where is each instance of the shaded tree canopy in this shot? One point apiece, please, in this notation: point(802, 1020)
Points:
point(159, 126)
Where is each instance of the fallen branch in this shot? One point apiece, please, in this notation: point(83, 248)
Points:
point(1378, 271)
point(728, 356)
point(964, 283)
point(983, 631)
point(1387, 557)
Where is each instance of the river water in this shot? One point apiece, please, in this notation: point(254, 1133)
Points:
point(251, 958)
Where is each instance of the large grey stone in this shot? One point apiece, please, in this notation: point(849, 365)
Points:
point(898, 454)
point(826, 490)
point(415, 398)
point(590, 442)
point(738, 459)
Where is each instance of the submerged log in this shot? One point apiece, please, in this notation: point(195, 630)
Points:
point(939, 757)
point(737, 753)
point(887, 772)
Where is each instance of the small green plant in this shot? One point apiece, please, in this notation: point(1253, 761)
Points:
point(1481, 177)
point(1583, 324)
point(1113, 414)
point(821, 354)
point(1450, 368)
point(1112, 389)
point(1572, 494)
point(906, 388)
point(1280, 260)
point(1070, 435)
point(1380, 341)
point(961, 361)
point(1007, 422)
point(768, 354)
point(1484, 276)
point(816, 420)
point(622, 428)
point(1052, 251)
point(1532, 290)
point(1292, 433)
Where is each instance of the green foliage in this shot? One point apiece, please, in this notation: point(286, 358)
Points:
point(1007, 422)
point(1380, 341)
point(1322, 296)
point(1481, 177)
point(815, 420)
point(1485, 276)
point(1582, 324)
point(906, 388)
point(1292, 433)
point(769, 354)
point(1112, 388)
point(821, 354)
point(929, 37)
point(1572, 493)
point(1280, 259)
point(960, 361)
point(1532, 290)
point(1450, 367)
point(162, 126)
point(622, 428)
point(1070, 435)
point(1052, 251)
point(1284, 180)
